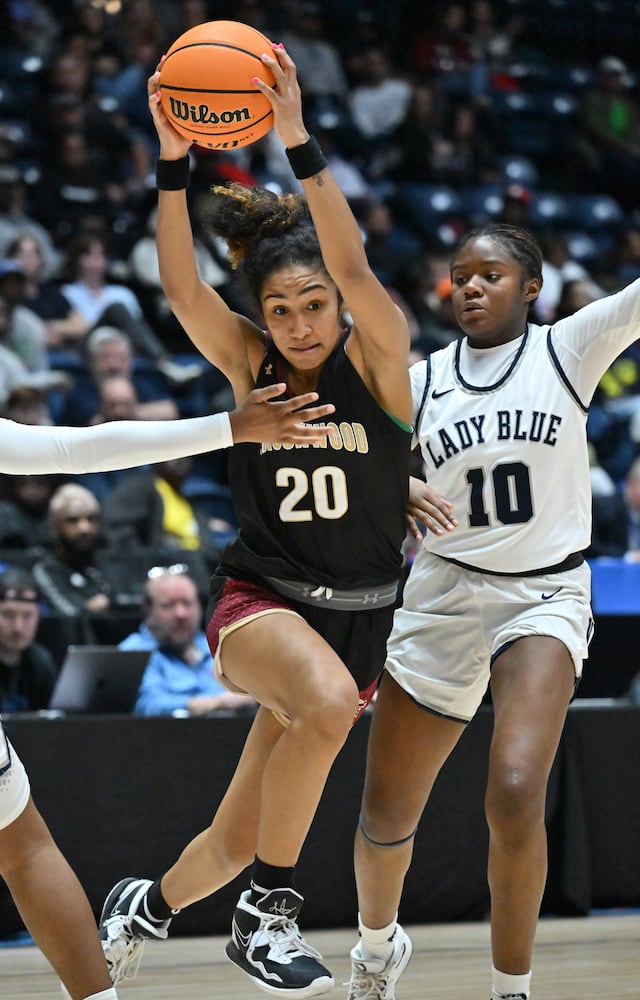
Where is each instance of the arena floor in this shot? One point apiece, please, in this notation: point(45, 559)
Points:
point(591, 958)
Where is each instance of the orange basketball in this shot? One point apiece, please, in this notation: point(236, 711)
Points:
point(205, 85)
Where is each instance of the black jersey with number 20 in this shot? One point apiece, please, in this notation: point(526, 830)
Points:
point(332, 514)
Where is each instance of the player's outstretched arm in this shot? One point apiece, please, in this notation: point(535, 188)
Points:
point(260, 418)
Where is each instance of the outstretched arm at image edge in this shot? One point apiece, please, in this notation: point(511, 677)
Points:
point(126, 444)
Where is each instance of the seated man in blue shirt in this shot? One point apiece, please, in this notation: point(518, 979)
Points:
point(179, 677)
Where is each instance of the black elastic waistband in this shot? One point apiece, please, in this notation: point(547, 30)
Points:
point(571, 562)
point(358, 599)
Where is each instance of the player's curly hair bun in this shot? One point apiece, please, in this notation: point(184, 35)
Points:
point(264, 232)
point(244, 216)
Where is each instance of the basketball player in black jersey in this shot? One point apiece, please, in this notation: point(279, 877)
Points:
point(304, 598)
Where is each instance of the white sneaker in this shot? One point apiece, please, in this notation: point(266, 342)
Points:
point(374, 979)
point(124, 930)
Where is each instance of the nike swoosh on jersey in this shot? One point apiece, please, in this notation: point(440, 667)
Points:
point(547, 597)
point(436, 395)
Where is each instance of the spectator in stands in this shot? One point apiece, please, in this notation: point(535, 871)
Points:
point(574, 293)
point(516, 205)
point(70, 578)
point(14, 215)
point(391, 249)
point(493, 37)
point(441, 49)
point(13, 371)
point(416, 136)
point(560, 272)
point(607, 139)
point(464, 155)
point(349, 177)
point(625, 265)
point(64, 325)
point(149, 509)
point(180, 676)
point(27, 669)
point(101, 301)
point(117, 400)
point(320, 70)
point(27, 405)
point(631, 493)
point(378, 102)
point(145, 272)
point(108, 352)
point(24, 511)
point(72, 184)
point(27, 335)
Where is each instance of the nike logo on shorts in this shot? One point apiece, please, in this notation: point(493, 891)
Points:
point(547, 597)
point(436, 395)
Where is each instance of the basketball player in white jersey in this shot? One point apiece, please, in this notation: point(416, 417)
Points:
point(501, 601)
point(49, 897)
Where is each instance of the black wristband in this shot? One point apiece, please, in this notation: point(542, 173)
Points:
point(172, 175)
point(306, 160)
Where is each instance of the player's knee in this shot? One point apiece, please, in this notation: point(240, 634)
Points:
point(329, 719)
point(383, 829)
point(514, 803)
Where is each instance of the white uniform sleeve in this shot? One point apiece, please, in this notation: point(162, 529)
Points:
point(589, 341)
point(122, 444)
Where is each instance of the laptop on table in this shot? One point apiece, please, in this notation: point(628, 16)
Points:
point(99, 680)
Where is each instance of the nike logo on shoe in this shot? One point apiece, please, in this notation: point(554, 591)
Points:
point(547, 597)
point(243, 939)
point(444, 392)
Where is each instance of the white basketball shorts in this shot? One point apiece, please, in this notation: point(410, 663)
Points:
point(453, 622)
point(14, 783)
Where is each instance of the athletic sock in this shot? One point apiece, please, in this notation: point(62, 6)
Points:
point(267, 877)
point(376, 943)
point(105, 995)
point(156, 908)
point(505, 985)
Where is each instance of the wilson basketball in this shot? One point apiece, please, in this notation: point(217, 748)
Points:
point(205, 85)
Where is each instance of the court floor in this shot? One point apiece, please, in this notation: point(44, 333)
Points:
point(590, 958)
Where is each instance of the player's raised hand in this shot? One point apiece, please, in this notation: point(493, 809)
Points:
point(261, 417)
point(173, 146)
point(285, 96)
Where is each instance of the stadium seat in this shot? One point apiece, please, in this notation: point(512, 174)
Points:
point(425, 207)
point(593, 212)
point(482, 203)
point(550, 211)
point(519, 170)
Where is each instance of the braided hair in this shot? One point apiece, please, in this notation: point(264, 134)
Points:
point(264, 232)
point(517, 242)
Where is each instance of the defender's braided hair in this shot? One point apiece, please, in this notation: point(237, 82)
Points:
point(264, 232)
point(517, 242)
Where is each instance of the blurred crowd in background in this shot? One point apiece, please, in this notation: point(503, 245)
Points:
point(434, 118)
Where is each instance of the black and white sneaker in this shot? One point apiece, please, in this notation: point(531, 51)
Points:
point(267, 945)
point(124, 927)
